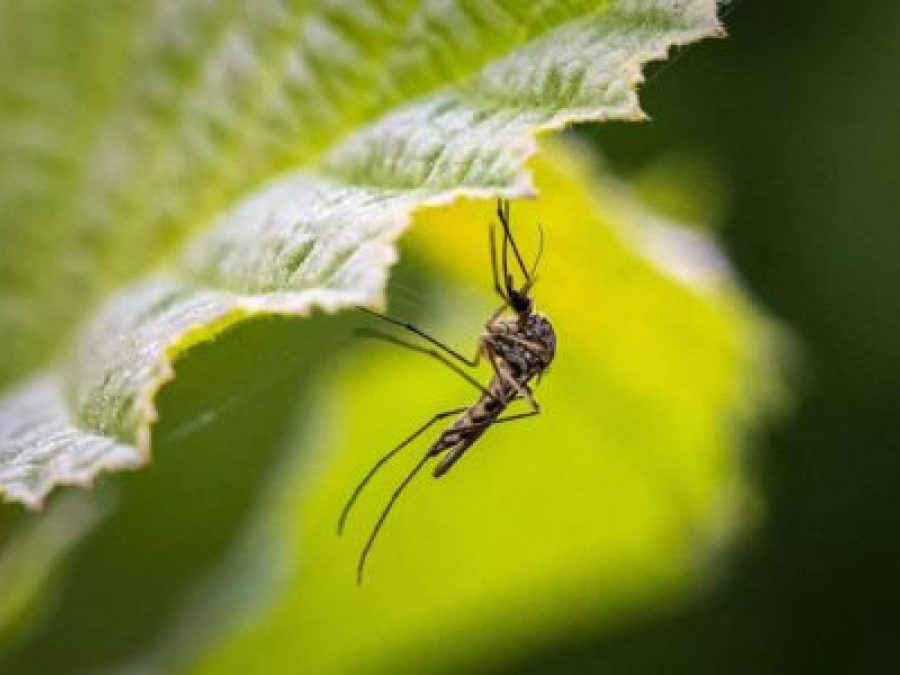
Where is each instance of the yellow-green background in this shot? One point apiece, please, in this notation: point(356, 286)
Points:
point(796, 114)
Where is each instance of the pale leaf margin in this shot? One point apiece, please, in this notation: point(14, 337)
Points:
point(324, 238)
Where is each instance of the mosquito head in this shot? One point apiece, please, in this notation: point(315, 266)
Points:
point(518, 299)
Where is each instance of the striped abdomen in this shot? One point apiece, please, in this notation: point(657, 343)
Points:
point(468, 428)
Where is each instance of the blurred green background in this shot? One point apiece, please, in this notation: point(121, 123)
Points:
point(798, 112)
point(784, 136)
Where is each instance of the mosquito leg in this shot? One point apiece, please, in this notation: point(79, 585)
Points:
point(501, 420)
point(497, 312)
point(371, 333)
point(406, 481)
point(472, 362)
point(537, 258)
point(504, 257)
point(502, 372)
point(524, 391)
point(384, 459)
point(384, 514)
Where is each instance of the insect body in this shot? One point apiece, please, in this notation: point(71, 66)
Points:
point(519, 348)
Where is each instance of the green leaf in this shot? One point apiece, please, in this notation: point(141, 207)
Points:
point(171, 170)
point(165, 531)
point(614, 501)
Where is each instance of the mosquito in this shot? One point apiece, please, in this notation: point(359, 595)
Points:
point(518, 343)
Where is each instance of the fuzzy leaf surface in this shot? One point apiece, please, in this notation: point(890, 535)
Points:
point(205, 162)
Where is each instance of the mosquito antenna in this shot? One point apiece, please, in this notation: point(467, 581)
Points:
point(503, 214)
point(507, 277)
point(537, 258)
point(384, 514)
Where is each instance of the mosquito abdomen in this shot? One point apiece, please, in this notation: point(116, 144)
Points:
point(463, 433)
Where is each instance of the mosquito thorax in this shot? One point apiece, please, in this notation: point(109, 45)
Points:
point(533, 327)
point(537, 328)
